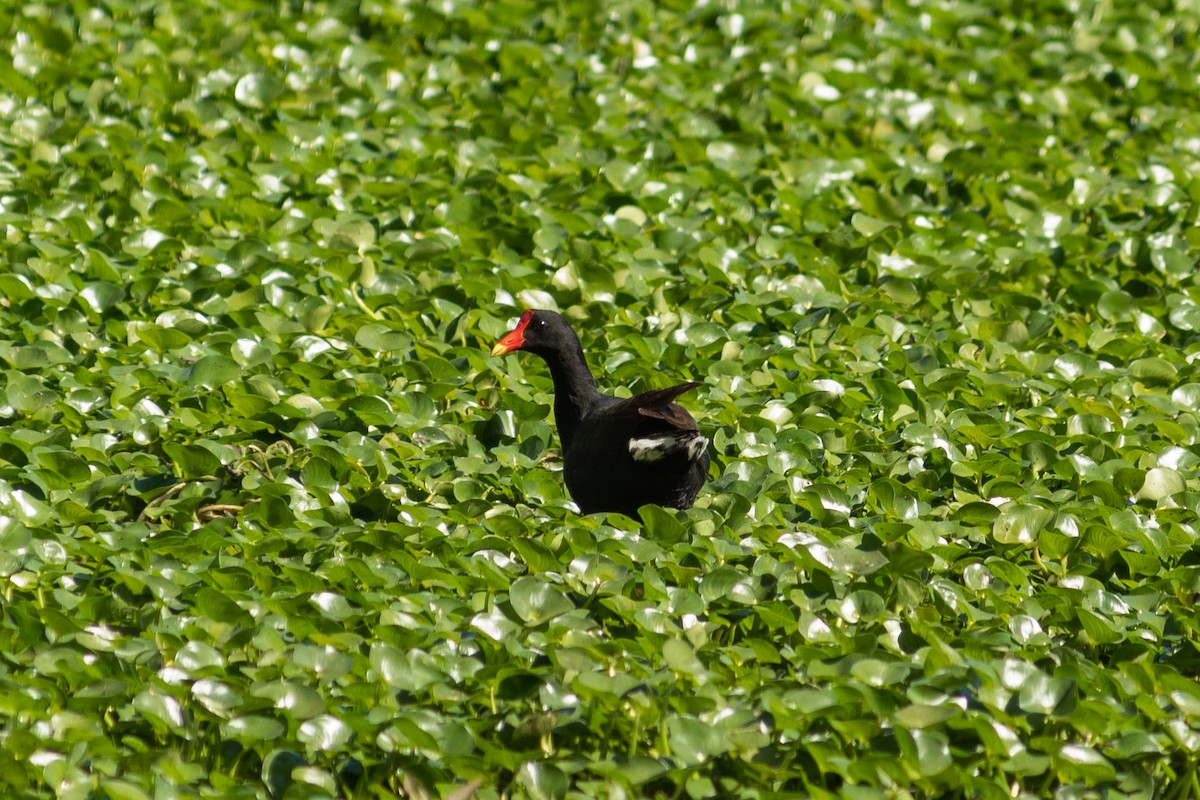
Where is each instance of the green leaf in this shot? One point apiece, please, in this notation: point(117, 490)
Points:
point(680, 657)
point(191, 461)
point(28, 395)
point(727, 582)
point(464, 209)
point(258, 90)
point(163, 710)
point(638, 770)
point(1160, 483)
point(381, 339)
point(1098, 629)
point(933, 752)
point(66, 464)
point(162, 339)
point(691, 741)
point(1042, 694)
point(212, 371)
point(279, 769)
point(661, 525)
point(217, 606)
point(100, 296)
point(925, 716)
point(118, 789)
point(536, 601)
point(254, 728)
point(1154, 370)
point(1076, 762)
point(868, 226)
point(536, 556)
point(1019, 523)
point(543, 780)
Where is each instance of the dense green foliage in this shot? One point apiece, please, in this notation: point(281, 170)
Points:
point(273, 523)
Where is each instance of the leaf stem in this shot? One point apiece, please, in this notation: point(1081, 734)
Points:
point(359, 302)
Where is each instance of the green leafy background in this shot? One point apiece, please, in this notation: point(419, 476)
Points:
point(274, 524)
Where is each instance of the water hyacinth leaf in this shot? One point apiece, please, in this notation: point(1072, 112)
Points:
point(1020, 523)
point(258, 90)
point(1043, 694)
point(219, 698)
point(101, 296)
point(638, 770)
point(1187, 396)
point(877, 672)
point(494, 625)
point(595, 571)
point(536, 555)
point(40, 355)
point(602, 683)
point(1079, 762)
point(27, 395)
point(16, 288)
point(162, 339)
point(1185, 697)
point(211, 372)
point(463, 209)
point(355, 234)
point(64, 463)
point(1154, 370)
point(727, 582)
point(1026, 764)
point(926, 716)
point(691, 741)
point(332, 606)
point(162, 709)
point(933, 752)
point(1024, 628)
point(1097, 628)
point(1160, 483)
point(218, 606)
point(380, 338)
point(278, 770)
point(1135, 744)
point(195, 656)
point(293, 700)
point(192, 461)
point(1173, 262)
point(661, 525)
point(841, 558)
point(536, 601)
point(544, 780)
point(400, 670)
point(1116, 306)
point(26, 508)
point(405, 732)
point(325, 732)
point(119, 789)
point(868, 226)
point(681, 657)
point(861, 606)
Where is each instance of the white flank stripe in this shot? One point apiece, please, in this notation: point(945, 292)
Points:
point(655, 448)
point(651, 449)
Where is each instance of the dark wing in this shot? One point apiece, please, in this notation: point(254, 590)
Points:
point(657, 404)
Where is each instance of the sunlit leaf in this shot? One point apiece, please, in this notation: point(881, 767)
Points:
point(536, 601)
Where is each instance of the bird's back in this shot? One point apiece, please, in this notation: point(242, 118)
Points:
point(637, 451)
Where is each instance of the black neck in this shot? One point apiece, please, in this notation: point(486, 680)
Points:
point(574, 389)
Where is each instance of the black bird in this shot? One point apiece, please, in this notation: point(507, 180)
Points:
point(618, 454)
